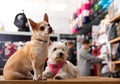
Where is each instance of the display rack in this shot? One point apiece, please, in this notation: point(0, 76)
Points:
point(113, 41)
point(115, 18)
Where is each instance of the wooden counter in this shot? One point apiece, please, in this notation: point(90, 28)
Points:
point(80, 80)
point(115, 40)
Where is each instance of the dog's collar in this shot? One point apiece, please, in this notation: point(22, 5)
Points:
point(40, 40)
point(54, 68)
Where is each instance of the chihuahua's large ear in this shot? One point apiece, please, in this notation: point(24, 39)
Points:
point(32, 23)
point(46, 17)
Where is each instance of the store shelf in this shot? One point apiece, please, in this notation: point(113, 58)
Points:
point(23, 33)
point(115, 62)
point(16, 33)
point(115, 18)
point(115, 40)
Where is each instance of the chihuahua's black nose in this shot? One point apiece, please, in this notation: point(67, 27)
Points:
point(60, 54)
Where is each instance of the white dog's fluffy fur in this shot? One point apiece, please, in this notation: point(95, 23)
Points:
point(57, 53)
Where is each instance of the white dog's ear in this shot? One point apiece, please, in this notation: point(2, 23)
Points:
point(46, 17)
point(66, 44)
point(50, 43)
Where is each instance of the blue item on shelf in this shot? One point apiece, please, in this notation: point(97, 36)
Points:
point(86, 19)
point(104, 3)
point(105, 6)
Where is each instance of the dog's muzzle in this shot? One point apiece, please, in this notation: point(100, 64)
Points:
point(61, 54)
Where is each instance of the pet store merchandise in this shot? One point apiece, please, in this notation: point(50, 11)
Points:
point(60, 41)
point(108, 40)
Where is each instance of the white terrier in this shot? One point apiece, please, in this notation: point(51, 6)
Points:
point(57, 66)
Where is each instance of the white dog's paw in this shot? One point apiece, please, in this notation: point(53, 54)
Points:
point(48, 75)
point(58, 77)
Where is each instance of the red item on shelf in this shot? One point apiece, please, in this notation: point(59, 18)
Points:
point(96, 52)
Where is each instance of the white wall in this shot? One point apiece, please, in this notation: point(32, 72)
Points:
point(34, 10)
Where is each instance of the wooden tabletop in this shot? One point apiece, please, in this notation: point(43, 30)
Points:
point(80, 80)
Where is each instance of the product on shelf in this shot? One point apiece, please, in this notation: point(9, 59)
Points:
point(21, 22)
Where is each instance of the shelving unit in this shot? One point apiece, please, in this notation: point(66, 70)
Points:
point(115, 18)
point(16, 33)
point(116, 64)
point(23, 33)
point(115, 40)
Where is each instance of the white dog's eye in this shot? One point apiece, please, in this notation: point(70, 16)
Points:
point(55, 49)
point(63, 49)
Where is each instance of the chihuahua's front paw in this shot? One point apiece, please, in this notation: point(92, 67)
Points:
point(43, 78)
point(35, 78)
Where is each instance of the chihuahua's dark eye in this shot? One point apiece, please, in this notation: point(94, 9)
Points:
point(42, 28)
point(55, 49)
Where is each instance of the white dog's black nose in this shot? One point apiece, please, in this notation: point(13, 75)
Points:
point(60, 54)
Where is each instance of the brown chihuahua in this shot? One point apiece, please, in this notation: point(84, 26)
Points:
point(32, 56)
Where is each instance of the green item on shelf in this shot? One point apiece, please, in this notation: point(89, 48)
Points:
point(1, 28)
point(96, 7)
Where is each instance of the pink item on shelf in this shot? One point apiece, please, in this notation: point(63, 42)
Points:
point(86, 6)
point(91, 2)
point(79, 11)
point(74, 30)
point(91, 12)
point(9, 49)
